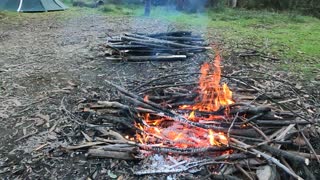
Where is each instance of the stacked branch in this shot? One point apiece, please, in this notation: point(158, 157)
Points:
point(162, 46)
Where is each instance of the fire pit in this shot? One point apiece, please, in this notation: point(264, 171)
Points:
point(174, 126)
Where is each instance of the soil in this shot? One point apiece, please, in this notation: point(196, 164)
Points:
point(49, 62)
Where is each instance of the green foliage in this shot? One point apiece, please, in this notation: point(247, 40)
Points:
point(308, 7)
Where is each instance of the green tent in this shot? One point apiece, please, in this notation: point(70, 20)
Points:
point(32, 5)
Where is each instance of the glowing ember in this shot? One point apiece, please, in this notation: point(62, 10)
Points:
point(213, 96)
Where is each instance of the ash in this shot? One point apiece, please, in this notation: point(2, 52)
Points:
point(163, 163)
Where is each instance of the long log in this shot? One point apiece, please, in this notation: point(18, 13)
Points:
point(147, 58)
point(160, 57)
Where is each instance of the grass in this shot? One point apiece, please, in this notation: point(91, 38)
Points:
point(292, 37)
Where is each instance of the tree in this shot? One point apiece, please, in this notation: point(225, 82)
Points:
point(233, 3)
point(147, 7)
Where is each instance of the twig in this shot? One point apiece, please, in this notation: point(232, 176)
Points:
point(27, 135)
point(244, 172)
point(310, 146)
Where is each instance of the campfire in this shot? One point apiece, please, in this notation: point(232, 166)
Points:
point(186, 126)
point(212, 97)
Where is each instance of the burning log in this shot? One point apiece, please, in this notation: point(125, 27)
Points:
point(160, 111)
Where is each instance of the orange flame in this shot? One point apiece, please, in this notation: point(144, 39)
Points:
point(213, 96)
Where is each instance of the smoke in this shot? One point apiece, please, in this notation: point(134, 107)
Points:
point(172, 13)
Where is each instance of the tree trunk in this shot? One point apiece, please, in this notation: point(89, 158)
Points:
point(147, 8)
point(233, 3)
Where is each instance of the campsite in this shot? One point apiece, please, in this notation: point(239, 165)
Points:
point(159, 89)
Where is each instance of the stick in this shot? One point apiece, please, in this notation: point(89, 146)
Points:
point(244, 172)
point(281, 122)
point(110, 154)
point(85, 145)
point(306, 155)
point(285, 154)
point(159, 57)
point(110, 104)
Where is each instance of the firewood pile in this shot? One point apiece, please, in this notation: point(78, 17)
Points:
point(188, 122)
point(168, 46)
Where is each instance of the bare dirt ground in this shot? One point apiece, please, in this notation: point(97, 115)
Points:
point(48, 63)
point(45, 60)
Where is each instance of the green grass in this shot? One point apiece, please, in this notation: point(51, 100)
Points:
point(294, 38)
